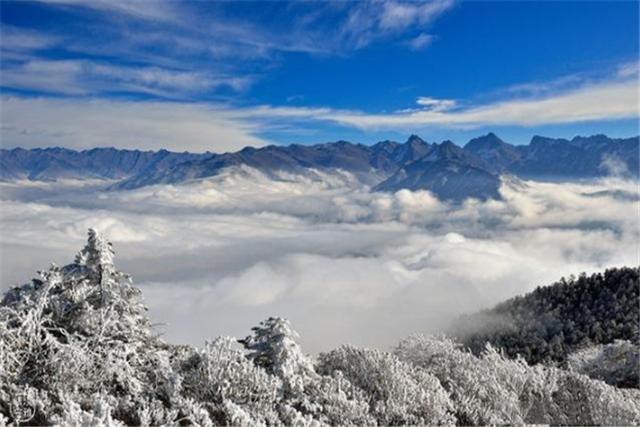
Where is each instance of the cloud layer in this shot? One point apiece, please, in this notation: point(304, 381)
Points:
point(216, 256)
point(83, 124)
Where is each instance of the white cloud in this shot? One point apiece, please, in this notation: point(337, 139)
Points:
point(629, 69)
point(81, 123)
point(216, 256)
point(154, 10)
point(421, 41)
point(435, 104)
point(184, 50)
point(331, 28)
point(18, 39)
point(606, 100)
point(397, 15)
point(367, 22)
point(615, 166)
point(82, 77)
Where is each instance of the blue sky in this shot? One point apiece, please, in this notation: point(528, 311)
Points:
point(198, 75)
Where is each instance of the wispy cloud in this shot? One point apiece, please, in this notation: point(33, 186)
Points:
point(611, 99)
point(203, 46)
point(435, 104)
point(367, 22)
point(84, 123)
point(420, 42)
point(83, 77)
point(154, 10)
point(629, 69)
point(331, 28)
point(19, 39)
point(397, 15)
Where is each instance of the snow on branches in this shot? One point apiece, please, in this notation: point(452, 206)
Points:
point(77, 348)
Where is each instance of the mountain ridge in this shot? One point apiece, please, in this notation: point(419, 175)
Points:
point(449, 170)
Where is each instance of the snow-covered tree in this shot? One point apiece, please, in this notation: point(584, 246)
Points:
point(398, 393)
point(617, 363)
point(77, 331)
point(274, 347)
point(305, 396)
point(230, 384)
point(100, 414)
point(77, 348)
point(479, 391)
point(492, 389)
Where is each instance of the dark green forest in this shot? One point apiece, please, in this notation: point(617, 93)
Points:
point(554, 321)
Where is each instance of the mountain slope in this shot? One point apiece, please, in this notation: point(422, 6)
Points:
point(494, 151)
point(105, 163)
point(369, 163)
point(449, 172)
point(553, 321)
point(580, 157)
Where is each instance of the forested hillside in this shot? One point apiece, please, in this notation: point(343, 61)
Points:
point(550, 323)
point(77, 348)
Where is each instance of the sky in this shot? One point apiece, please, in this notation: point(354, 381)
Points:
point(217, 76)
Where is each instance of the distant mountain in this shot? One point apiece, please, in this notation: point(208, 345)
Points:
point(446, 169)
point(577, 158)
point(454, 173)
point(413, 149)
point(449, 172)
point(48, 164)
point(499, 155)
point(550, 158)
point(370, 164)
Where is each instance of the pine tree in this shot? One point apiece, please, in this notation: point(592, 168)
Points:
point(273, 346)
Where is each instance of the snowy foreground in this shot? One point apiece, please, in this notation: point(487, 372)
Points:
point(77, 348)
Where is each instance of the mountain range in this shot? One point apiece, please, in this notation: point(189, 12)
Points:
point(446, 169)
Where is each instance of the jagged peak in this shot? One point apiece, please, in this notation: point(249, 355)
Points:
point(447, 149)
point(386, 145)
point(342, 142)
point(490, 140)
point(448, 143)
point(385, 142)
point(539, 139)
point(597, 138)
point(415, 139)
point(446, 146)
point(594, 136)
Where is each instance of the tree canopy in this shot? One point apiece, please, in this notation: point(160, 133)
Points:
point(553, 322)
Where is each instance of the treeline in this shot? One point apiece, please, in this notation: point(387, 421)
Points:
point(552, 322)
point(77, 349)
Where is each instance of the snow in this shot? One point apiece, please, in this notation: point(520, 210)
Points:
point(77, 349)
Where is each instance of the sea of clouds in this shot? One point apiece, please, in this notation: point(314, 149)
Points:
point(214, 257)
